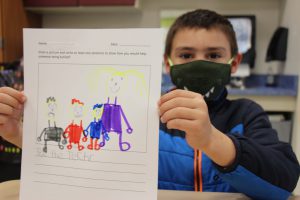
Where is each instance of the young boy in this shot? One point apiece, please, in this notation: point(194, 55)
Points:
point(207, 143)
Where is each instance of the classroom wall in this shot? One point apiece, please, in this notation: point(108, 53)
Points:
point(290, 19)
point(268, 13)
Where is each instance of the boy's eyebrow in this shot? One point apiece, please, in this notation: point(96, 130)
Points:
point(206, 49)
point(216, 49)
point(185, 48)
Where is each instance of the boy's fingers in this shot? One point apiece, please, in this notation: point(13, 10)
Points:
point(3, 119)
point(17, 113)
point(5, 109)
point(177, 93)
point(13, 93)
point(179, 102)
point(181, 113)
point(6, 99)
point(180, 124)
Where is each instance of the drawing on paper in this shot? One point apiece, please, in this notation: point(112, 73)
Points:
point(52, 133)
point(113, 113)
point(74, 131)
point(96, 129)
point(118, 80)
point(112, 121)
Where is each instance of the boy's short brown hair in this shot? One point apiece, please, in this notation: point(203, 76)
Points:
point(202, 19)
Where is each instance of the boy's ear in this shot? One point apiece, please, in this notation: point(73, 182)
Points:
point(236, 62)
point(167, 64)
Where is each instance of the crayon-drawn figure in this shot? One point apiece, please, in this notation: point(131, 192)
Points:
point(119, 84)
point(112, 121)
point(52, 133)
point(95, 129)
point(113, 112)
point(74, 131)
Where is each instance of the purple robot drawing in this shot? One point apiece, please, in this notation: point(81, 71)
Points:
point(112, 121)
point(117, 85)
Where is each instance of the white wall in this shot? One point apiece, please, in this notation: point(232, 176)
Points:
point(290, 19)
point(268, 13)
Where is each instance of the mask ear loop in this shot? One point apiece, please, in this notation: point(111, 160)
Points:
point(170, 61)
point(230, 61)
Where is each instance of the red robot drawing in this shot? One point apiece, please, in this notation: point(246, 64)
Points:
point(74, 131)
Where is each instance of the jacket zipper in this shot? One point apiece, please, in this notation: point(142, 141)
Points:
point(198, 170)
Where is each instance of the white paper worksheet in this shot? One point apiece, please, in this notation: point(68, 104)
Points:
point(91, 122)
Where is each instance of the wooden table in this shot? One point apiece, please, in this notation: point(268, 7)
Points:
point(10, 191)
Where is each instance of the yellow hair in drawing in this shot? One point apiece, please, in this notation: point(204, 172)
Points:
point(118, 79)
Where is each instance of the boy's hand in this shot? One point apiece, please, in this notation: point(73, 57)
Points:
point(11, 112)
point(187, 111)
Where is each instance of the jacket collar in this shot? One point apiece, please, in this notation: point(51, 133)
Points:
point(216, 104)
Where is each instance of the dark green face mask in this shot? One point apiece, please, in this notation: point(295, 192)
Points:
point(204, 77)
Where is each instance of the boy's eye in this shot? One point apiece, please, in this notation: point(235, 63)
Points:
point(213, 56)
point(186, 56)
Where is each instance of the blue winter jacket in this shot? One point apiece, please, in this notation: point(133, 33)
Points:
point(264, 168)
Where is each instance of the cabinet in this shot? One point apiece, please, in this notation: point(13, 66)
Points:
point(106, 2)
point(58, 3)
point(80, 6)
point(13, 18)
point(49, 3)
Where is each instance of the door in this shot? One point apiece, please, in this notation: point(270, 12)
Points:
point(13, 18)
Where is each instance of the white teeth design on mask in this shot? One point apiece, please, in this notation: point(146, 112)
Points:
point(209, 92)
point(185, 88)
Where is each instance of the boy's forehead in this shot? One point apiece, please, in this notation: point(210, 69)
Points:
point(200, 39)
